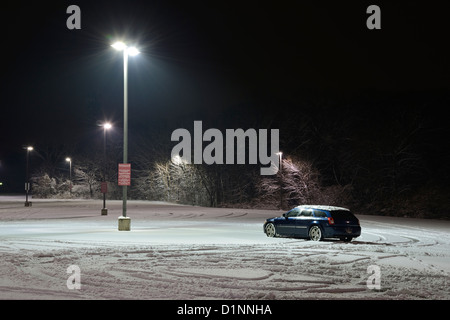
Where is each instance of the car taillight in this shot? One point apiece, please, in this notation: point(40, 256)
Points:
point(330, 221)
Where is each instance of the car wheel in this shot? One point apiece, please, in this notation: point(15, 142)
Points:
point(270, 230)
point(315, 234)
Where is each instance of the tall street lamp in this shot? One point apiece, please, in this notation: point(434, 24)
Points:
point(124, 221)
point(27, 183)
point(69, 160)
point(280, 155)
point(106, 126)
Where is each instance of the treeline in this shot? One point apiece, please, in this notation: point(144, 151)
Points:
point(377, 156)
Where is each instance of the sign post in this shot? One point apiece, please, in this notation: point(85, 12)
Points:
point(124, 179)
point(104, 190)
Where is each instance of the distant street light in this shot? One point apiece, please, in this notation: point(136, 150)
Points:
point(124, 221)
point(70, 174)
point(106, 126)
point(27, 183)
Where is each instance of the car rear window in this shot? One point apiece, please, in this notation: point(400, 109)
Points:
point(342, 214)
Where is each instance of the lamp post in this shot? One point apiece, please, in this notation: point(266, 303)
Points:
point(280, 154)
point(69, 160)
point(27, 183)
point(124, 221)
point(106, 126)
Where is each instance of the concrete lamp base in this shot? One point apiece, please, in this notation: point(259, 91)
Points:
point(104, 212)
point(124, 223)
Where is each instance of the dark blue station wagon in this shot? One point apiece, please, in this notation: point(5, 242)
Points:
point(315, 222)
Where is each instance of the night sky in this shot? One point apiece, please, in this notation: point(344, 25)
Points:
point(202, 58)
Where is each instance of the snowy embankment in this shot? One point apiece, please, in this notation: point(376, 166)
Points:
point(185, 252)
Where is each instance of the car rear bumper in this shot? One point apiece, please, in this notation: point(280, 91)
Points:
point(342, 231)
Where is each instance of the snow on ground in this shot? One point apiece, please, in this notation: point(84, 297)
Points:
point(186, 252)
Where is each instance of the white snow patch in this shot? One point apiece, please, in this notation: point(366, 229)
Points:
point(186, 252)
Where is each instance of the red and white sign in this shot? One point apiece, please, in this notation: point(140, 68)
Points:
point(124, 174)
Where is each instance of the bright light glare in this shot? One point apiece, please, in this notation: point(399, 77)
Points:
point(133, 51)
point(177, 160)
point(119, 45)
point(68, 159)
point(29, 148)
point(107, 125)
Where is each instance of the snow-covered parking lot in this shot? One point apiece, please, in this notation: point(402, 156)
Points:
point(186, 252)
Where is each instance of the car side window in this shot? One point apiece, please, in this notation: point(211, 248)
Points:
point(293, 213)
point(306, 213)
point(320, 214)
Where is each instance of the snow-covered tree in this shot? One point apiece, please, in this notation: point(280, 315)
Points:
point(296, 183)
